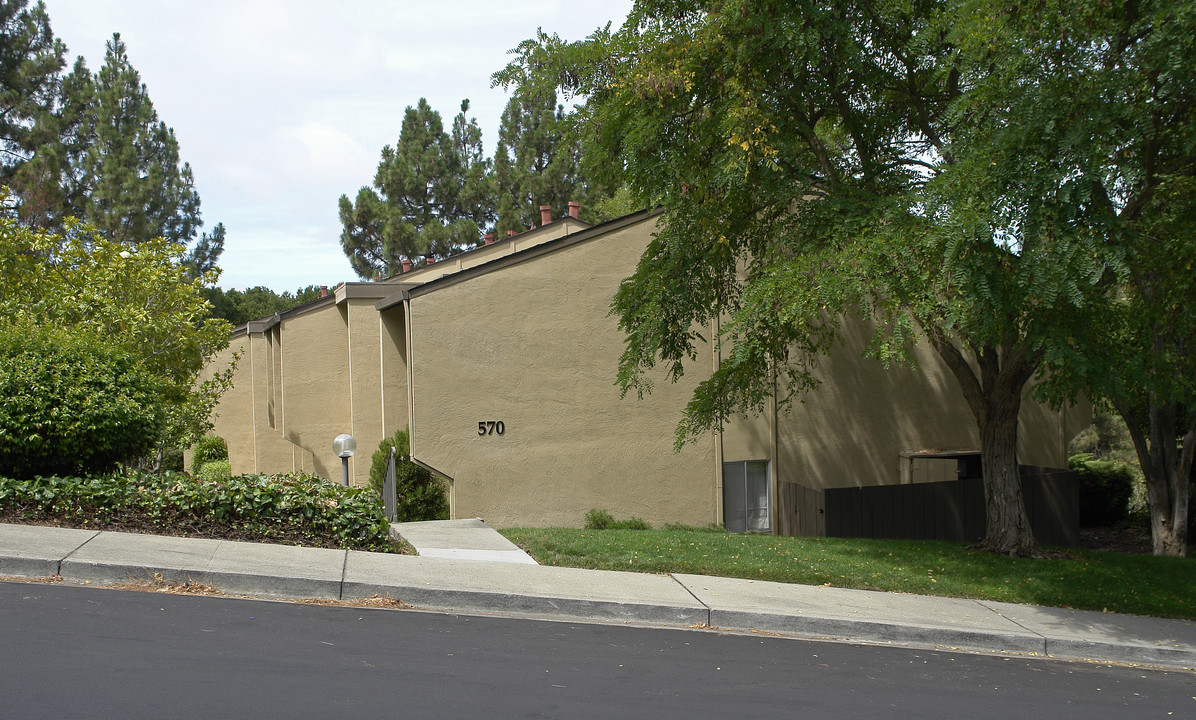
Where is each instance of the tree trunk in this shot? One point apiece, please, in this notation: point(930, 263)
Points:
point(1007, 526)
point(1166, 462)
point(994, 395)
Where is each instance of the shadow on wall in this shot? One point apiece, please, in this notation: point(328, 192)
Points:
point(851, 430)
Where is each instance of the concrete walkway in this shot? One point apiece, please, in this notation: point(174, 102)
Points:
point(517, 588)
point(461, 539)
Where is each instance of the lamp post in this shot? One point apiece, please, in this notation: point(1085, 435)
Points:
point(344, 446)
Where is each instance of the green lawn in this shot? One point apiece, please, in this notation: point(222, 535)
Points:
point(1084, 579)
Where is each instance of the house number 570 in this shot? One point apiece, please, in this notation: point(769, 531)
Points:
point(491, 427)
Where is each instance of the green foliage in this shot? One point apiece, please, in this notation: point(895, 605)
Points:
point(72, 402)
point(419, 495)
point(298, 508)
point(1105, 489)
point(134, 297)
point(172, 460)
point(809, 161)
point(1116, 179)
point(207, 449)
point(202, 258)
point(1107, 438)
point(431, 196)
point(240, 306)
point(214, 471)
point(597, 519)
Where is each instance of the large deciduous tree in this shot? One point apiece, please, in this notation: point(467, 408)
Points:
point(429, 199)
point(806, 158)
point(1086, 127)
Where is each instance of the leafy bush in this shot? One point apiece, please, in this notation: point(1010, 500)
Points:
point(214, 471)
point(72, 403)
point(172, 459)
point(207, 449)
point(296, 508)
point(419, 495)
point(597, 519)
point(1105, 489)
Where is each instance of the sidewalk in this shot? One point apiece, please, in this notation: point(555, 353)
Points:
point(462, 582)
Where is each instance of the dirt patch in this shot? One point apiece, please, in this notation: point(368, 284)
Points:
point(1130, 540)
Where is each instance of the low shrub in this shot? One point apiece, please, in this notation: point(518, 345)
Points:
point(73, 403)
point(1105, 489)
point(172, 459)
point(419, 495)
point(207, 449)
point(214, 471)
point(294, 508)
point(597, 519)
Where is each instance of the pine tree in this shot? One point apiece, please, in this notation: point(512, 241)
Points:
point(31, 61)
point(89, 145)
point(203, 257)
point(131, 185)
point(537, 162)
point(428, 199)
point(475, 200)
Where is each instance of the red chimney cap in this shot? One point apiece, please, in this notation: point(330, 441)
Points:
point(545, 214)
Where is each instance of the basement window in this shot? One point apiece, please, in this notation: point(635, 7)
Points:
point(746, 496)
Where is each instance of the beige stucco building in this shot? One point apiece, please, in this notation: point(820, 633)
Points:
point(502, 360)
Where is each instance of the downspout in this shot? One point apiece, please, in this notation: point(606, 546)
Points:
point(774, 481)
point(717, 437)
point(252, 397)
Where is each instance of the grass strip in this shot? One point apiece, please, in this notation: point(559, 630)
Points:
point(1080, 579)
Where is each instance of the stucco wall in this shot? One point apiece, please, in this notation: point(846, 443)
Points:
point(394, 369)
point(531, 345)
point(315, 387)
point(244, 414)
point(365, 372)
point(233, 416)
point(851, 429)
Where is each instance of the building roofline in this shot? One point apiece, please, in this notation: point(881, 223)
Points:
point(589, 233)
point(496, 246)
point(399, 293)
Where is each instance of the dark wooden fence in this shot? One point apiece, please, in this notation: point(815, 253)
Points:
point(951, 510)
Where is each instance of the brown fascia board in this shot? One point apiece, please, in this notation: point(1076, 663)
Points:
point(257, 327)
point(307, 307)
point(398, 293)
point(493, 247)
point(362, 290)
point(531, 253)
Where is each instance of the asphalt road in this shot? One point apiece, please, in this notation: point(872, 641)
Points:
point(83, 652)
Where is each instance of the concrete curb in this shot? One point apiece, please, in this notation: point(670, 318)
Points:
point(471, 586)
point(518, 589)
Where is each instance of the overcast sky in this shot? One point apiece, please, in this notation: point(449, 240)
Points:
point(282, 106)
